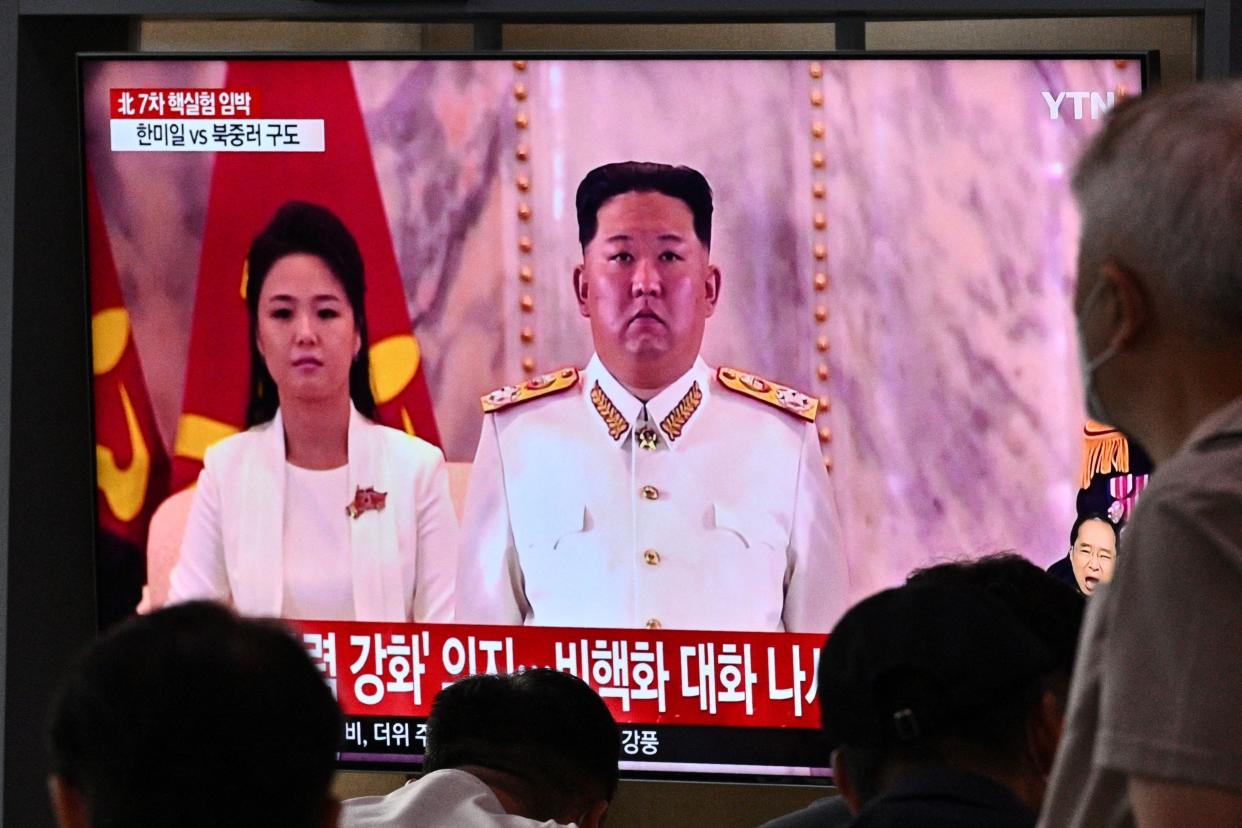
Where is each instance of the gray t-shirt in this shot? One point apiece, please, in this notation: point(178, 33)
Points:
point(1157, 689)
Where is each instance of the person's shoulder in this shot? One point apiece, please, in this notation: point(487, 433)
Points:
point(829, 812)
point(229, 449)
point(526, 395)
point(405, 446)
point(768, 396)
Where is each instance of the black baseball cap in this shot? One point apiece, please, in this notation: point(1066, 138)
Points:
point(906, 664)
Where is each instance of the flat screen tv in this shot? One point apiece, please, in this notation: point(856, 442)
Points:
point(659, 445)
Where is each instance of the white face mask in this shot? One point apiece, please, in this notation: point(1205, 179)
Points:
point(1089, 365)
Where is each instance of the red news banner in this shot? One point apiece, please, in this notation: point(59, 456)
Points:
point(667, 677)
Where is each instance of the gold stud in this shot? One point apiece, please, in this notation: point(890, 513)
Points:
point(821, 313)
point(817, 98)
point(521, 120)
point(818, 160)
point(524, 211)
point(526, 274)
point(825, 404)
point(522, 152)
point(528, 365)
point(1121, 63)
point(651, 558)
point(523, 183)
point(653, 624)
point(825, 434)
point(828, 463)
point(821, 281)
point(817, 130)
point(822, 372)
point(527, 303)
point(519, 65)
point(821, 344)
point(821, 252)
point(519, 91)
point(527, 334)
point(650, 493)
point(816, 69)
point(820, 221)
point(525, 244)
point(1121, 91)
point(819, 190)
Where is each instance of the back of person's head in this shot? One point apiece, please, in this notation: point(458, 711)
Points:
point(1160, 192)
point(1049, 608)
point(933, 675)
point(548, 732)
point(193, 716)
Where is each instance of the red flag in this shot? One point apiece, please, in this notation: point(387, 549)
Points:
point(246, 190)
point(131, 466)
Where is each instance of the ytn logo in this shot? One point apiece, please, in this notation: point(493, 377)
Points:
point(1099, 104)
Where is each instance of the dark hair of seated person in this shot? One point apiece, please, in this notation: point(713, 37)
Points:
point(193, 717)
point(938, 674)
point(547, 733)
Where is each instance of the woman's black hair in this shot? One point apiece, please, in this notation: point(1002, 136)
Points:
point(300, 227)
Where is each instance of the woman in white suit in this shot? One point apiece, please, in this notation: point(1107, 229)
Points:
point(315, 511)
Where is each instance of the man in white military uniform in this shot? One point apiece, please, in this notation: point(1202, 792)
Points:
point(649, 489)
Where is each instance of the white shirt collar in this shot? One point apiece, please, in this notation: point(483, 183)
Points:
point(671, 411)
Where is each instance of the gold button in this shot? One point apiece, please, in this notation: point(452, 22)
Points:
point(651, 557)
point(650, 493)
point(819, 190)
point(653, 624)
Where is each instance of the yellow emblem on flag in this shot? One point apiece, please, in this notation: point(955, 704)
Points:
point(125, 489)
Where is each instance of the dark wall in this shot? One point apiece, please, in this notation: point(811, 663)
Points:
point(51, 549)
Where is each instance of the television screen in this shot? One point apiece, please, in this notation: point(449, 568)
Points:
point(643, 368)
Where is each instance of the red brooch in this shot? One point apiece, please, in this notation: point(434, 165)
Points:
point(366, 500)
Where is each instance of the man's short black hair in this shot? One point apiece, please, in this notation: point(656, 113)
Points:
point(929, 674)
point(546, 728)
point(193, 716)
point(602, 183)
point(1048, 607)
point(1100, 516)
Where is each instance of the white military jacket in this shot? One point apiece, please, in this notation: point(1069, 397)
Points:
point(707, 508)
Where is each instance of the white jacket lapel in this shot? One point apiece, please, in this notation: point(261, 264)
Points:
point(373, 533)
point(260, 584)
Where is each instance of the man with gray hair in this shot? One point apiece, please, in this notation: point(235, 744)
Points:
point(1154, 729)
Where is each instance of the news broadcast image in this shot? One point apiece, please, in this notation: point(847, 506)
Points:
point(887, 376)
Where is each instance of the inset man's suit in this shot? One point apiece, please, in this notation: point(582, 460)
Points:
point(708, 507)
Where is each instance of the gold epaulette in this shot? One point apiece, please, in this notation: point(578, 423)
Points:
point(540, 386)
point(781, 396)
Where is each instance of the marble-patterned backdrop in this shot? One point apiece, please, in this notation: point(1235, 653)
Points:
point(923, 288)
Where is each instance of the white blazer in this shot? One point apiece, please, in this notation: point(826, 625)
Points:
point(404, 555)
